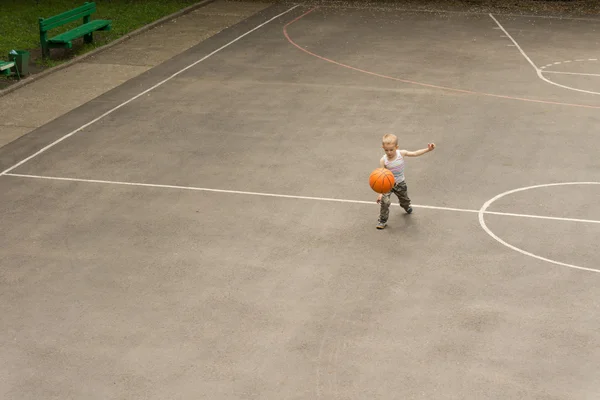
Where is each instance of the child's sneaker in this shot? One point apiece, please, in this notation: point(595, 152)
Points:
point(409, 210)
point(381, 225)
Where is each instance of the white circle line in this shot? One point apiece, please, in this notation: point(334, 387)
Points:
point(543, 71)
point(482, 212)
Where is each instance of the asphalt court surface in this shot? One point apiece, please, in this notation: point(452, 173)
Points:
point(124, 278)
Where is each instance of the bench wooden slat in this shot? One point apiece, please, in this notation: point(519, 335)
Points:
point(95, 25)
point(68, 16)
point(6, 65)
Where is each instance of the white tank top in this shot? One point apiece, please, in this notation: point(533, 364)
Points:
point(396, 166)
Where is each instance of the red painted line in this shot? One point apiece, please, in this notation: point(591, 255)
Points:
point(287, 36)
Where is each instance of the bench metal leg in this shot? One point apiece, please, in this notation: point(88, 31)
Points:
point(44, 42)
point(87, 38)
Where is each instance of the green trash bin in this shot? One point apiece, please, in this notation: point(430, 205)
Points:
point(21, 60)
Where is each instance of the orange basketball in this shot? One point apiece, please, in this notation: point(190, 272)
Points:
point(381, 180)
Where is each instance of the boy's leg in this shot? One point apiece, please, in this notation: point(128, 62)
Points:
point(401, 191)
point(384, 210)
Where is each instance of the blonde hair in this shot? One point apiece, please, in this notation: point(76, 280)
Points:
point(389, 138)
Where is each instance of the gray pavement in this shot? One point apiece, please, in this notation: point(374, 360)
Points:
point(189, 245)
point(42, 101)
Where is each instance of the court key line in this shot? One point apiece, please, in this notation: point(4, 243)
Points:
point(287, 196)
point(538, 71)
point(143, 93)
point(423, 84)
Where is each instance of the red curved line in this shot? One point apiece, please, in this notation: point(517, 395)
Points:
point(285, 32)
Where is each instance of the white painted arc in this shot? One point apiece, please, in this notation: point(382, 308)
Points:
point(566, 62)
point(142, 93)
point(488, 203)
point(538, 70)
point(524, 252)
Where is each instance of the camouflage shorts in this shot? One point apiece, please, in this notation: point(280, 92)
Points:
point(400, 190)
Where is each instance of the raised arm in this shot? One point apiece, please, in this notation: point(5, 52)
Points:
point(417, 153)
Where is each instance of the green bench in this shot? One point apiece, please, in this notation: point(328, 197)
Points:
point(64, 40)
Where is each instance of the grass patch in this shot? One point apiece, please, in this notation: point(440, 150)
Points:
point(19, 22)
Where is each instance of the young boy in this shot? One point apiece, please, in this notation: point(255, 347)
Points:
point(394, 161)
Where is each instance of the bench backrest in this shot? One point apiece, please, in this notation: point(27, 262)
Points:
point(68, 16)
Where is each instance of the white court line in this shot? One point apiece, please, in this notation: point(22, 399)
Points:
point(569, 73)
point(286, 196)
point(589, 221)
point(538, 70)
point(142, 93)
